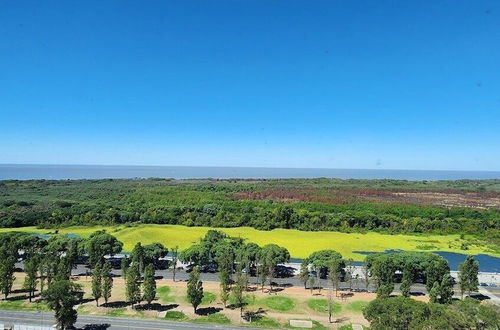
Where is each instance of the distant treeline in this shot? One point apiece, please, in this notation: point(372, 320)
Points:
point(215, 203)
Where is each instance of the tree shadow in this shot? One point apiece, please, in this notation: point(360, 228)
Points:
point(208, 310)
point(417, 293)
point(251, 316)
point(14, 298)
point(116, 304)
point(96, 326)
point(86, 300)
point(479, 296)
point(156, 307)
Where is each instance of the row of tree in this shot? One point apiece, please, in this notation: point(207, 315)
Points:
point(48, 264)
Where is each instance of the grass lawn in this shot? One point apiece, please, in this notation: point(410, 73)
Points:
point(293, 240)
point(23, 305)
point(218, 318)
point(357, 306)
point(175, 316)
point(265, 322)
point(279, 303)
point(164, 294)
point(321, 306)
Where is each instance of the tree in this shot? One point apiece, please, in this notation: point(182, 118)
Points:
point(175, 252)
point(393, 313)
point(366, 277)
point(124, 265)
point(7, 267)
point(446, 289)
point(149, 285)
point(224, 286)
point(238, 289)
point(406, 282)
point(61, 297)
point(195, 288)
point(312, 282)
point(100, 244)
point(350, 272)
point(467, 274)
point(334, 273)
point(153, 252)
point(435, 271)
point(137, 256)
point(304, 273)
point(97, 283)
point(434, 293)
point(330, 306)
point(30, 280)
point(107, 282)
point(271, 256)
point(132, 288)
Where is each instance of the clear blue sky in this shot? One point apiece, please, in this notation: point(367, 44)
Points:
point(336, 84)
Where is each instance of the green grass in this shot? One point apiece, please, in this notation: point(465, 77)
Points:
point(208, 298)
point(357, 306)
point(292, 239)
point(321, 306)
point(163, 293)
point(249, 300)
point(175, 316)
point(279, 303)
point(213, 318)
point(116, 311)
point(265, 322)
point(23, 305)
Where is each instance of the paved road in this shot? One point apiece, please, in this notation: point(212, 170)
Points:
point(44, 320)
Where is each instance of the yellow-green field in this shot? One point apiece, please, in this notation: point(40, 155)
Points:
point(299, 243)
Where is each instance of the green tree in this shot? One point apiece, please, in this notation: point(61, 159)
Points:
point(107, 282)
point(467, 274)
point(7, 267)
point(61, 297)
point(124, 265)
point(225, 288)
point(30, 280)
point(97, 283)
point(149, 284)
point(434, 293)
point(175, 255)
point(394, 313)
point(100, 244)
point(304, 273)
point(132, 288)
point(239, 288)
point(137, 256)
point(446, 289)
point(334, 273)
point(195, 288)
point(406, 282)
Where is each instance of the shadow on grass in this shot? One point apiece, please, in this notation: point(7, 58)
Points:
point(207, 310)
point(156, 307)
point(96, 326)
point(116, 304)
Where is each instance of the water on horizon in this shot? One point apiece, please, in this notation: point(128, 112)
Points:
point(63, 172)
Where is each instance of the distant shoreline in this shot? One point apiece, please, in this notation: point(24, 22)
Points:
point(65, 172)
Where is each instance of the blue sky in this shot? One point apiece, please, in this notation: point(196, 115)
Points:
point(335, 84)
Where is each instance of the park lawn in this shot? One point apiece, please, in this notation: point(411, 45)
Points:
point(299, 243)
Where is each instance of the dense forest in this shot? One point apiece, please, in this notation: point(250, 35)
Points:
point(393, 206)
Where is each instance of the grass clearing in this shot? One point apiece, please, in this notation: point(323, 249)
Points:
point(23, 305)
point(163, 294)
point(175, 316)
point(117, 311)
point(357, 306)
point(279, 303)
point(217, 318)
point(293, 240)
point(321, 306)
point(265, 322)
